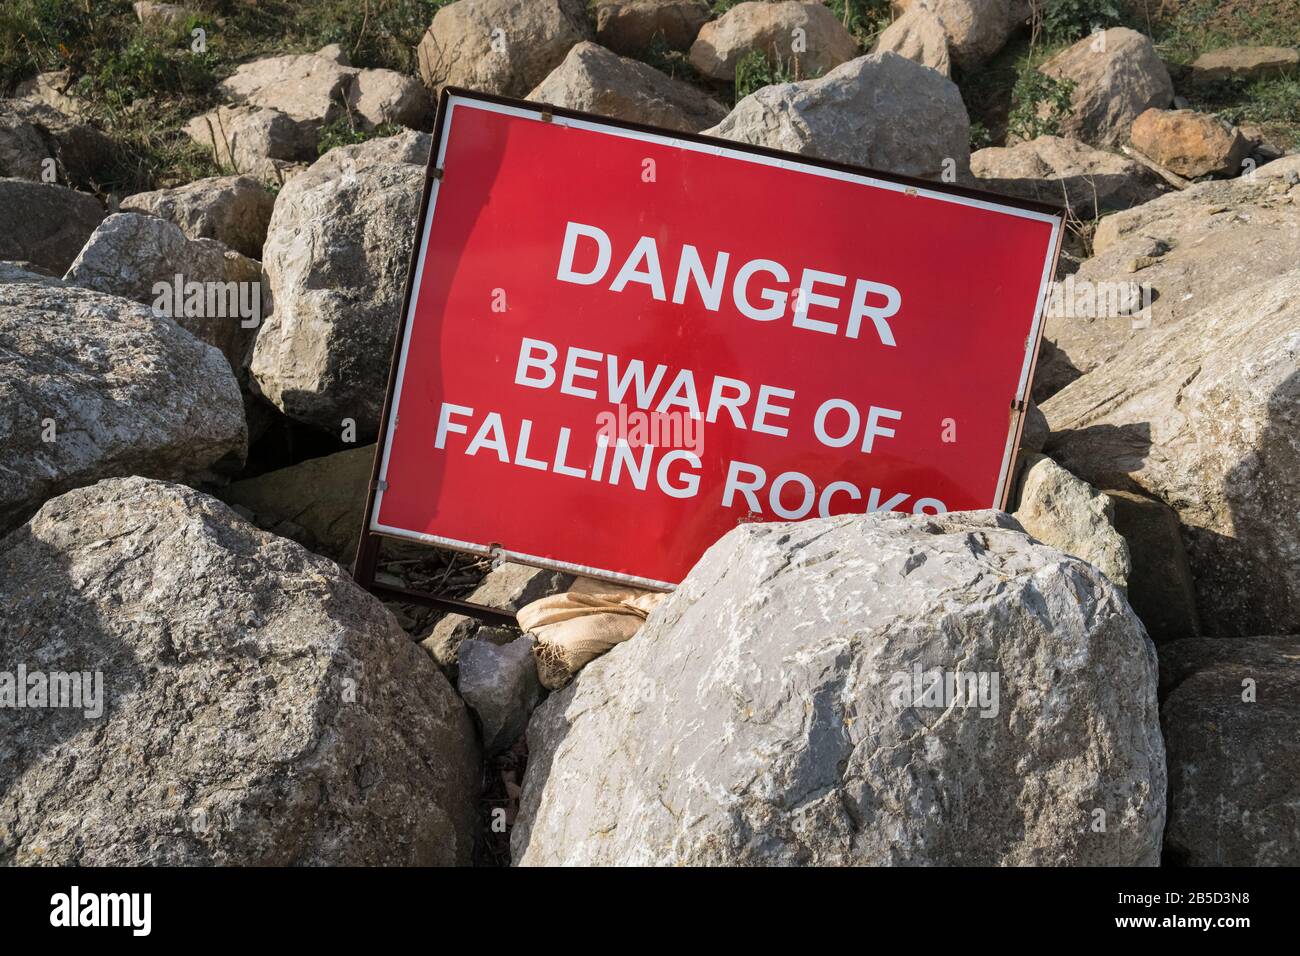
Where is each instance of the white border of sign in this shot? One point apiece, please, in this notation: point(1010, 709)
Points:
point(457, 102)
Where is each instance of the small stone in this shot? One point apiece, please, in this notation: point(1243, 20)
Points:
point(594, 80)
point(1061, 510)
point(500, 685)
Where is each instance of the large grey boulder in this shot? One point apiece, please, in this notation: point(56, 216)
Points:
point(319, 88)
point(1231, 717)
point(595, 80)
point(881, 111)
point(319, 502)
point(95, 386)
point(258, 707)
point(1117, 75)
point(499, 683)
point(234, 210)
point(139, 257)
point(1193, 249)
point(306, 87)
point(54, 89)
point(379, 97)
point(32, 131)
point(805, 37)
point(789, 704)
point(263, 143)
point(918, 35)
point(335, 262)
point(1059, 509)
point(500, 46)
point(506, 588)
point(1204, 416)
point(1065, 172)
point(975, 29)
point(45, 224)
point(633, 27)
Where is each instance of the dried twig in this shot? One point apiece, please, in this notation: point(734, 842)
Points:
point(1168, 175)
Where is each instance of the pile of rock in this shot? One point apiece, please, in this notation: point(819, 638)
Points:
point(44, 138)
point(283, 102)
point(964, 689)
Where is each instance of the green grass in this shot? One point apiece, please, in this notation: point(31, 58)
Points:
point(1200, 25)
point(1039, 104)
point(1272, 104)
point(755, 71)
point(1003, 95)
point(864, 19)
point(141, 84)
point(1197, 26)
point(1064, 21)
point(1187, 30)
point(343, 132)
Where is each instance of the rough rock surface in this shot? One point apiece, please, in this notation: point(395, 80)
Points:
point(500, 46)
point(1234, 763)
point(595, 80)
point(633, 27)
point(1117, 76)
point(1194, 248)
point(499, 683)
point(305, 87)
point(1244, 63)
point(1065, 172)
point(976, 29)
point(807, 37)
point(131, 253)
point(115, 389)
point(319, 88)
point(881, 111)
point(160, 14)
point(1190, 144)
point(323, 87)
point(33, 131)
point(261, 709)
point(381, 97)
point(52, 89)
point(1160, 585)
point(1035, 431)
point(264, 143)
point(919, 36)
point(319, 502)
point(770, 703)
point(233, 210)
point(508, 588)
point(335, 263)
point(45, 224)
point(1059, 509)
point(1204, 416)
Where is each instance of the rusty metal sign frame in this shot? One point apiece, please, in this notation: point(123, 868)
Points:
point(367, 555)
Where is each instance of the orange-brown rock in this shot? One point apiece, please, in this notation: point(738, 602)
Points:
point(1189, 143)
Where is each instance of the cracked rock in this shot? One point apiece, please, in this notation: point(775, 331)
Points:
point(789, 704)
point(258, 708)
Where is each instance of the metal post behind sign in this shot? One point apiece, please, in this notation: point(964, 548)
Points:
point(363, 572)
